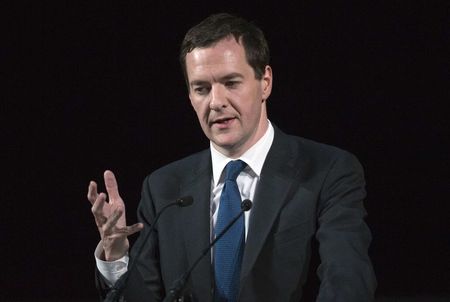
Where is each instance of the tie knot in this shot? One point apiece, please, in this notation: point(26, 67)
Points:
point(233, 168)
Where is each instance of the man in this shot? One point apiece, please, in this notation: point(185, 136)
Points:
point(300, 190)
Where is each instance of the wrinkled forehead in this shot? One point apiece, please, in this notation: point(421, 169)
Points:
point(226, 52)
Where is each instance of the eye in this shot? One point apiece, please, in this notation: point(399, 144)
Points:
point(231, 84)
point(201, 90)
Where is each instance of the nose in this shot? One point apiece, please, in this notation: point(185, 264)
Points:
point(218, 98)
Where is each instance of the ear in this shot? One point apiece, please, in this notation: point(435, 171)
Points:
point(266, 83)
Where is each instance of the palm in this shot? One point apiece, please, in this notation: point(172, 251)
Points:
point(110, 218)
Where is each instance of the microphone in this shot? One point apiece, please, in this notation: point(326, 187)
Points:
point(179, 284)
point(116, 291)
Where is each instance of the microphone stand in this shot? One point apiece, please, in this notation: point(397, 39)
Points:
point(116, 291)
point(180, 283)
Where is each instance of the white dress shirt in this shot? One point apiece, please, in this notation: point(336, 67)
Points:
point(246, 181)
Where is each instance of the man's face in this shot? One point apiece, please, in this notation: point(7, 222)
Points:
point(229, 101)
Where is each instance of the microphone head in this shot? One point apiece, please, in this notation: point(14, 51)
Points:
point(184, 201)
point(246, 205)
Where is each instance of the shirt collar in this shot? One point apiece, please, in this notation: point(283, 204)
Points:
point(254, 157)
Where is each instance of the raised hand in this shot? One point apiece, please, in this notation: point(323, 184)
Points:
point(110, 218)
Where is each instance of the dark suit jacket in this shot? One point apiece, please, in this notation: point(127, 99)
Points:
point(306, 190)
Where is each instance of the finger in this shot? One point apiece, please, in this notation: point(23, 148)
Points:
point(97, 209)
point(92, 192)
point(111, 185)
point(127, 231)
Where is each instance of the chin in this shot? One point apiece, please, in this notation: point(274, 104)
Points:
point(226, 146)
point(224, 140)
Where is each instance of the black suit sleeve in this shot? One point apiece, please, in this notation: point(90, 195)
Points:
point(101, 285)
point(145, 282)
point(345, 271)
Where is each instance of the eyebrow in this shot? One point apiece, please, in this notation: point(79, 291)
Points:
point(197, 83)
point(232, 76)
point(227, 77)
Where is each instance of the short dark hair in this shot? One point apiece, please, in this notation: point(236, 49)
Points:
point(219, 26)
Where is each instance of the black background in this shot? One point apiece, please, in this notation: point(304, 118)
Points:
point(97, 85)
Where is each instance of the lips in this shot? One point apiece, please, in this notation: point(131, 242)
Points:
point(223, 121)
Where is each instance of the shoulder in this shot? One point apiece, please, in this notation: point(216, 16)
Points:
point(309, 150)
point(190, 165)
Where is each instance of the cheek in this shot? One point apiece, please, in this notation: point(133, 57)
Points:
point(200, 109)
point(253, 110)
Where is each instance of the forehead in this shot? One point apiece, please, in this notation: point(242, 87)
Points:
point(225, 56)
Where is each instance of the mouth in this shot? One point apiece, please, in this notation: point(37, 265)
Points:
point(223, 122)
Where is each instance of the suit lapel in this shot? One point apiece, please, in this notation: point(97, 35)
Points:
point(278, 175)
point(196, 220)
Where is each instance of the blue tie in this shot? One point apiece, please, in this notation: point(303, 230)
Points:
point(230, 248)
